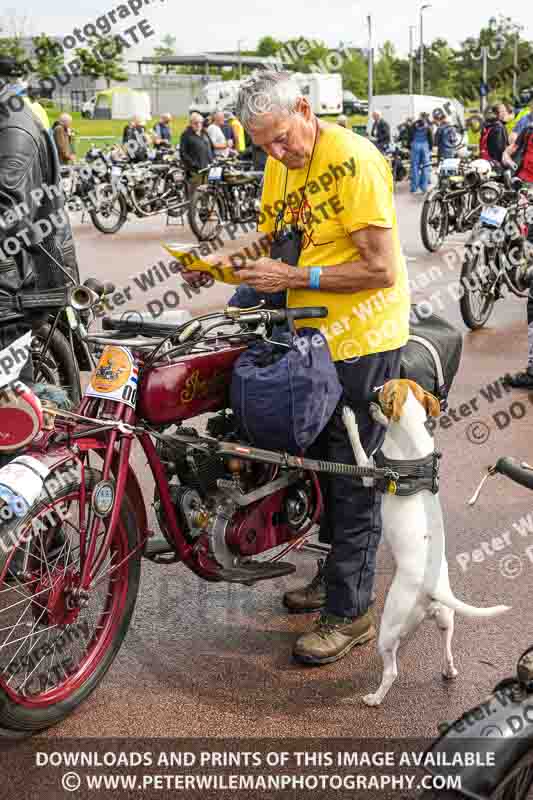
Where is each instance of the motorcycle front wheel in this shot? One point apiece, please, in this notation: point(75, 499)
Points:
point(434, 222)
point(476, 304)
point(112, 211)
point(58, 365)
point(55, 647)
point(205, 216)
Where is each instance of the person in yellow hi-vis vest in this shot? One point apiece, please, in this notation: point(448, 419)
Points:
point(238, 130)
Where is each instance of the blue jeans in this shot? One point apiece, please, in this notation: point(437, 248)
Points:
point(420, 159)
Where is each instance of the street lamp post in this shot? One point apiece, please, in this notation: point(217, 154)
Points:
point(411, 29)
point(517, 29)
point(426, 5)
point(485, 55)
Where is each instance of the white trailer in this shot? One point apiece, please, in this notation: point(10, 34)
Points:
point(397, 107)
point(323, 90)
point(216, 95)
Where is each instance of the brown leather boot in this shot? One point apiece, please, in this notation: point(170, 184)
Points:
point(333, 637)
point(311, 597)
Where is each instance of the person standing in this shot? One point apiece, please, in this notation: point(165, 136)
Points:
point(216, 134)
point(135, 140)
point(445, 136)
point(348, 257)
point(238, 133)
point(42, 261)
point(162, 131)
point(62, 135)
point(494, 139)
point(196, 150)
point(420, 140)
point(380, 133)
point(520, 154)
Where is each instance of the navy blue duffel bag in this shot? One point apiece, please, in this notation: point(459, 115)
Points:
point(284, 397)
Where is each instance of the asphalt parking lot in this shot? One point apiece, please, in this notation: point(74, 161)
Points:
point(204, 659)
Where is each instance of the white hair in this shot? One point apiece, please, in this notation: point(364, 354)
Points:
point(267, 92)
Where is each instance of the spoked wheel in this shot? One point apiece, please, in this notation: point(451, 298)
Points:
point(205, 218)
point(57, 366)
point(434, 222)
point(112, 210)
point(56, 642)
point(477, 302)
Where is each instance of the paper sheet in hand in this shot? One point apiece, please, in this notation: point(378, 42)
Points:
point(222, 273)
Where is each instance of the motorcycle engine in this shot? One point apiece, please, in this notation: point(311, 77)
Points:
point(245, 197)
point(236, 507)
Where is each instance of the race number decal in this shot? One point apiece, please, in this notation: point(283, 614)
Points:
point(116, 377)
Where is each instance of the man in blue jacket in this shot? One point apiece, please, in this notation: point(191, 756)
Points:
point(445, 136)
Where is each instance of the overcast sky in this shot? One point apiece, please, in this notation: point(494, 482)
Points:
point(217, 25)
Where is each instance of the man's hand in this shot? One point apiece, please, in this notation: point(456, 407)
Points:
point(266, 275)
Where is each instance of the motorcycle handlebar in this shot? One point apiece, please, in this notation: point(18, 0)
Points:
point(100, 288)
point(283, 314)
point(517, 471)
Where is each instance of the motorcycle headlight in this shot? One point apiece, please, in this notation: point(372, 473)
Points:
point(490, 193)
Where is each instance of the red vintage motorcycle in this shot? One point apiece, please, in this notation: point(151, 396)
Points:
point(70, 568)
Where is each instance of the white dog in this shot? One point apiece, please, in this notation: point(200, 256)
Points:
point(414, 530)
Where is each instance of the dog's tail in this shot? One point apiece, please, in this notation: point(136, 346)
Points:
point(447, 598)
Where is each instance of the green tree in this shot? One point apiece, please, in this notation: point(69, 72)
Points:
point(49, 56)
point(386, 79)
point(166, 48)
point(268, 46)
point(110, 66)
point(354, 73)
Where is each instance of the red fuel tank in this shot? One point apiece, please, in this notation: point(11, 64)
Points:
point(186, 388)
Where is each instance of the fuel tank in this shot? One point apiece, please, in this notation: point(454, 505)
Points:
point(186, 388)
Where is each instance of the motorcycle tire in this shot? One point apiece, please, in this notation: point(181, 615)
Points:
point(472, 317)
point(26, 714)
point(431, 242)
point(59, 367)
point(106, 224)
point(199, 198)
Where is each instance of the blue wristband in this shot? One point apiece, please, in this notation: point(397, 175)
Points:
point(314, 277)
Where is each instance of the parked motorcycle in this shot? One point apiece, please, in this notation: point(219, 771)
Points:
point(496, 255)
point(453, 205)
point(145, 189)
point(232, 194)
point(70, 567)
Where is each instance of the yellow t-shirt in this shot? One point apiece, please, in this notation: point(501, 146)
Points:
point(350, 187)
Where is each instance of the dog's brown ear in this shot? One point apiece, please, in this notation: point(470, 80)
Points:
point(398, 396)
point(431, 404)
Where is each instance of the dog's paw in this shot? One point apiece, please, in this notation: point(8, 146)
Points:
point(450, 674)
point(371, 699)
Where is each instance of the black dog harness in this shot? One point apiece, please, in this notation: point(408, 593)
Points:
point(414, 475)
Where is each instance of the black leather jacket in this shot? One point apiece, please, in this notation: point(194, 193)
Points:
point(29, 163)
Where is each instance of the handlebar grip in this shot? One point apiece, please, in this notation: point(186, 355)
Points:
point(312, 312)
point(515, 470)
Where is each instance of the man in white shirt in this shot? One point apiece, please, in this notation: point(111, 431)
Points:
point(218, 140)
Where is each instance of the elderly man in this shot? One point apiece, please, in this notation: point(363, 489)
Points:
point(380, 133)
point(135, 140)
point(337, 189)
point(62, 133)
point(218, 140)
point(162, 132)
point(196, 150)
